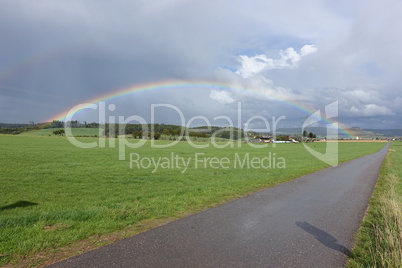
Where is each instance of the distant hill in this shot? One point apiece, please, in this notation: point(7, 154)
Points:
point(388, 132)
point(354, 132)
point(319, 131)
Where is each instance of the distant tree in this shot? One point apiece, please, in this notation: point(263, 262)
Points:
point(93, 125)
point(57, 124)
point(137, 134)
point(156, 135)
point(178, 132)
point(282, 138)
point(305, 134)
point(311, 135)
point(59, 132)
point(73, 124)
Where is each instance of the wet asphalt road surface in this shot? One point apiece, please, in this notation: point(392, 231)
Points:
point(308, 222)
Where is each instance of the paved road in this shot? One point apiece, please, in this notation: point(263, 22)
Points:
point(308, 222)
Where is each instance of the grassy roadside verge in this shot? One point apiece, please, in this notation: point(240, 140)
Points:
point(379, 240)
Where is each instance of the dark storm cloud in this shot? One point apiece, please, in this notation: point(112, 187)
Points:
point(56, 54)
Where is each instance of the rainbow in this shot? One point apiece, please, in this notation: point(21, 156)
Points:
point(175, 84)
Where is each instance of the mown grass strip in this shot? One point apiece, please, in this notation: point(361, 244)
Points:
point(379, 240)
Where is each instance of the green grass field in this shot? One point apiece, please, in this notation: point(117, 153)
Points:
point(54, 194)
point(379, 242)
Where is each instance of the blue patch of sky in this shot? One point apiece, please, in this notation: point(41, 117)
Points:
point(343, 8)
point(270, 46)
point(371, 69)
point(230, 68)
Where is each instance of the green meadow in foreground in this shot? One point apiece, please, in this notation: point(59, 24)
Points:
point(53, 194)
point(379, 241)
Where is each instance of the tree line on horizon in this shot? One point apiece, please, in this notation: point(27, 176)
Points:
point(151, 131)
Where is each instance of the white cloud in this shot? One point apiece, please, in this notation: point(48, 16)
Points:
point(223, 97)
point(289, 58)
point(308, 49)
point(253, 65)
point(359, 95)
point(370, 110)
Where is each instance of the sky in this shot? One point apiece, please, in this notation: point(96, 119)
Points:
point(290, 57)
